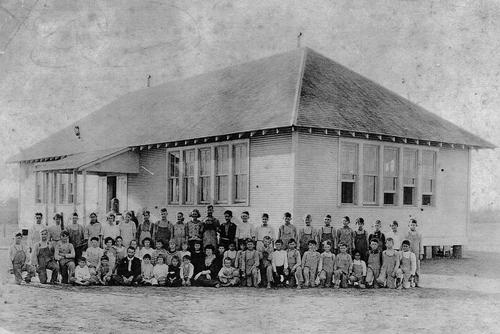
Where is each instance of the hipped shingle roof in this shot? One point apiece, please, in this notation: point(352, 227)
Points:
point(297, 88)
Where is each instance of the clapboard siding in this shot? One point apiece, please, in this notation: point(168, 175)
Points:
point(146, 190)
point(316, 193)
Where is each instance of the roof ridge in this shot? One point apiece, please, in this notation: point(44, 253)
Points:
point(296, 103)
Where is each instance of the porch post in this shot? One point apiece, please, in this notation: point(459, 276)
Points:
point(46, 196)
point(75, 191)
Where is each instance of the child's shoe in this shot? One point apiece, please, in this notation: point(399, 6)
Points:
point(268, 286)
point(361, 286)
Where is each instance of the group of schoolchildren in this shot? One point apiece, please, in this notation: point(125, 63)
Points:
point(209, 253)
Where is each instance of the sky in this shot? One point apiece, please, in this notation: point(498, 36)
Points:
point(61, 60)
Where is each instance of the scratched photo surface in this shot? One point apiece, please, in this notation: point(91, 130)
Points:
point(62, 60)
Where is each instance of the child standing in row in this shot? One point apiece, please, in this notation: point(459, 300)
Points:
point(310, 262)
point(264, 231)
point(361, 238)
point(287, 231)
point(327, 233)
point(377, 234)
point(210, 227)
point(18, 254)
point(249, 265)
point(294, 272)
point(345, 235)
point(306, 234)
point(407, 266)
point(180, 232)
point(416, 247)
point(279, 262)
point(374, 263)
point(390, 264)
point(326, 263)
point(342, 267)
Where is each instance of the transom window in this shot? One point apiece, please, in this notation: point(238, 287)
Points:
point(216, 174)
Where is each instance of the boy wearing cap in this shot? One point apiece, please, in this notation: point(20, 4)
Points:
point(18, 254)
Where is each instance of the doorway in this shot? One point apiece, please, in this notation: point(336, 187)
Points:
point(111, 191)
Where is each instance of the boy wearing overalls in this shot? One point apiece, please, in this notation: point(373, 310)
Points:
point(327, 233)
point(18, 254)
point(43, 258)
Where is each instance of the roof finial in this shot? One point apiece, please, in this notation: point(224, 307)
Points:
point(298, 39)
point(149, 80)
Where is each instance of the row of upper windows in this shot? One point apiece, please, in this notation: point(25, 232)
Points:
point(215, 174)
point(386, 175)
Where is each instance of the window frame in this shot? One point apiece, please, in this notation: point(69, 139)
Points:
point(40, 185)
point(396, 179)
point(213, 176)
point(433, 179)
point(238, 174)
point(355, 179)
point(375, 175)
point(175, 179)
point(416, 178)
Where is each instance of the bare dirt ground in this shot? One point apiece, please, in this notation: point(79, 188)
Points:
point(458, 296)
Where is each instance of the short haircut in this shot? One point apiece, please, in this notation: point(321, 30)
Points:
point(146, 212)
point(413, 220)
point(146, 256)
point(328, 216)
point(247, 241)
point(374, 240)
point(389, 239)
point(342, 244)
point(119, 237)
point(57, 216)
point(265, 215)
point(210, 247)
point(161, 256)
point(245, 213)
point(64, 233)
point(75, 214)
point(92, 214)
point(82, 259)
point(356, 252)
point(146, 239)
point(104, 258)
point(94, 238)
point(327, 242)
point(266, 237)
point(163, 210)
point(378, 222)
point(360, 221)
point(19, 234)
point(130, 247)
point(186, 257)
point(279, 241)
point(210, 206)
point(406, 242)
point(395, 223)
point(39, 214)
point(288, 215)
point(161, 241)
point(195, 211)
point(347, 219)
point(175, 257)
point(228, 212)
point(232, 243)
point(312, 242)
point(291, 240)
point(180, 213)
point(109, 239)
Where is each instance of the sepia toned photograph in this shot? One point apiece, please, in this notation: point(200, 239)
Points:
point(249, 166)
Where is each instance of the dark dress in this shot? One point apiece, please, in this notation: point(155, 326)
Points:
point(174, 276)
point(198, 261)
point(227, 234)
point(203, 280)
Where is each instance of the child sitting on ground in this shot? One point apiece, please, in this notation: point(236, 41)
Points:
point(104, 271)
point(325, 267)
point(93, 255)
point(146, 270)
point(160, 271)
point(82, 273)
point(174, 273)
point(184, 250)
point(390, 265)
point(407, 266)
point(186, 271)
point(279, 261)
point(171, 252)
point(249, 265)
point(342, 267)
point(374, 263)
point(145, 249)
point(358, 272)
point(310, 263)
point(228, 275)
point(294, 271)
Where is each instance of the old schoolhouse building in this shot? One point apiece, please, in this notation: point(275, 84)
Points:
point(293, 132)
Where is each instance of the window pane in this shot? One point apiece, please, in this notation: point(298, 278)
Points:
point(173, 190)
point(347, 196)
point(240, 159)
point(204, 162)
point(370, 160)
point(389, 198)
point(349, 159)
point(426, 199)
point(222, 161)
point(390, 184)
point(221, 189)
point(410, 163)
point(428, 186)
point(174, 158)
point(428, 164)
point(189, 190)
point(370, 189)
point(204, 189)
point(240, 187)
point(408, 195)
point(38, 187)
point(391, 162)
point(189, 163)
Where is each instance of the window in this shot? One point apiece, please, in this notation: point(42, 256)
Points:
point(240, 169)
point(409, 176)
point(39, 176)
point(391, 172)
point(349, 172)
point(221, 173)
point(188, 182)
point(63, 188)
point(205, 169)
point(70, 188)
point(428, 176)
point(370, 174)
point(173, 177)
